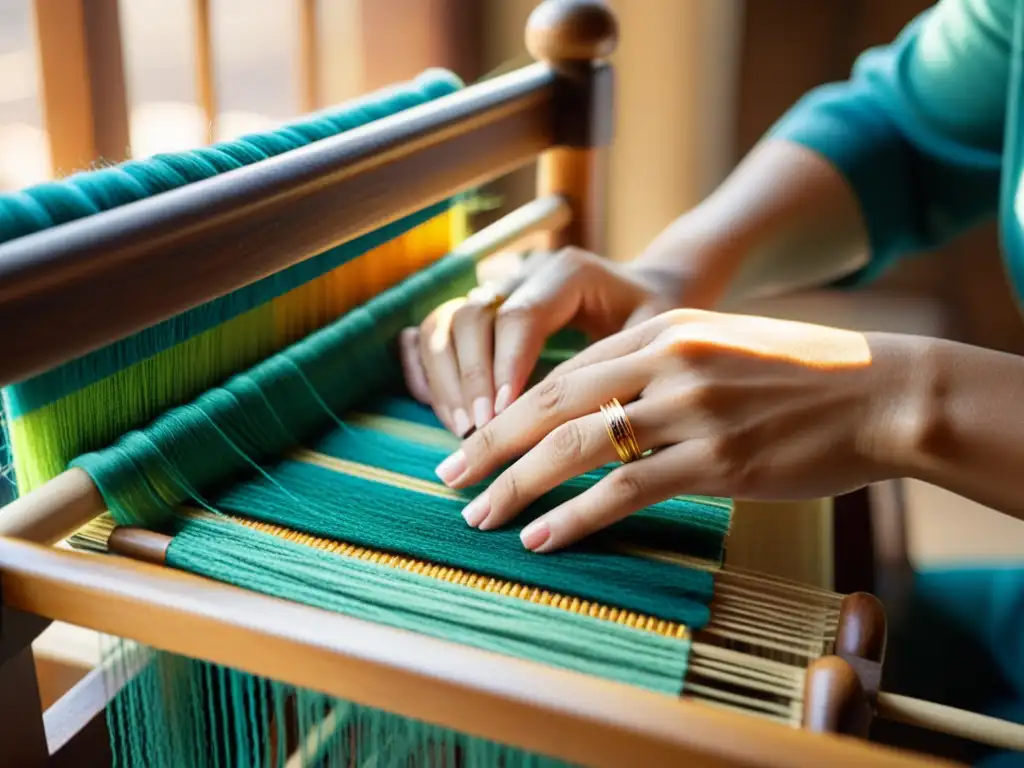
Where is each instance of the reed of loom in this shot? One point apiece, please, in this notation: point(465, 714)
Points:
point(774, 651)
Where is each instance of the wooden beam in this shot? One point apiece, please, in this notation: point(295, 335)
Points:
point(566, 715)
point(126, 269)
point(85, 107)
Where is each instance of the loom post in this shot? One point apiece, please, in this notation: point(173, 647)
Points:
point(575, 38)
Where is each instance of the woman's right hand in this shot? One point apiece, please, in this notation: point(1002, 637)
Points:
point(473, 356)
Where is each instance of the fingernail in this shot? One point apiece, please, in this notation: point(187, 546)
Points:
point(482, 411)
point(476, 510)
point(452, 468)
point(461, 420)
point(535, 534)
point(501, 401)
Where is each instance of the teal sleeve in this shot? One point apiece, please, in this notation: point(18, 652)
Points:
point(917, 129)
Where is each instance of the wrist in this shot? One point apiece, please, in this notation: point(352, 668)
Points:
point(907, 409)
point(687, 265)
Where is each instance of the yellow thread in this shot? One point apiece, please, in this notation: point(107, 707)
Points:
point(95, 534)
point(473, 580)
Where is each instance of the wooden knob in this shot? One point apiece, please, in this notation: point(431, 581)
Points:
point(572, 30)
point(834, 699)
point(861, 631)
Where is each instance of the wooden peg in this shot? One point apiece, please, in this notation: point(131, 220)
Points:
point(834, 699)
point(862, 627)
point(559, 31)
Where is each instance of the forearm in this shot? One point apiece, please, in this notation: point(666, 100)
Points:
point(960, 423)
point(785, 219)
point(860, 173)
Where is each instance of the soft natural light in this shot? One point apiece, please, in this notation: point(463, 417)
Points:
point(255, 59)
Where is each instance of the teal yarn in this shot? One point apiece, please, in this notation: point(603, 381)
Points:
point(360, 511)
point(94, 191)
point(694, 526)
point(233, 554)
point(180, 711)
point(271, 408)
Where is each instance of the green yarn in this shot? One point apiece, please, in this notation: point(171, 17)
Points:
point(186, 712)
point(233, 554)
point(690, 525)
point(233, 437)
point(338, 506)
point(270, 408)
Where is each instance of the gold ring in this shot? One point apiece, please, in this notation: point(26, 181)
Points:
point(620, 431)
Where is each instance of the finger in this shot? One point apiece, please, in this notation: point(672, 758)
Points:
point(412, 365)
point(552, 403)
point(645, 312)
point(544, 303)
point(437, 351)
point(473, 333)
point(575, 447)
point(619, 345)
point(624, 491)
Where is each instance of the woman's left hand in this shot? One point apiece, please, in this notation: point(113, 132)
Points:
point(727, 405)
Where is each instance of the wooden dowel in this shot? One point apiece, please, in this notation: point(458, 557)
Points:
point(125, 269)
point(53, 511)
point(567, 715)
point(544, 214)
point(951, 721)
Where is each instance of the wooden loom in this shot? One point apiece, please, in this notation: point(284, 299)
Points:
point(825, 670)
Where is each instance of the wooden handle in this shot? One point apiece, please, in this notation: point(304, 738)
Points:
point(950, 720)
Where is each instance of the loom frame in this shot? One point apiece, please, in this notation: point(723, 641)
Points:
point(121, 271)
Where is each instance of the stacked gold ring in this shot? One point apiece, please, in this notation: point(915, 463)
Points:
point(620, 431)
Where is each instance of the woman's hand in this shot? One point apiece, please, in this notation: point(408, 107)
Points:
point(729, 405)
point(472, 357)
